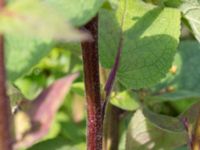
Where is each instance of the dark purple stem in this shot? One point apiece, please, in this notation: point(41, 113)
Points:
point(92, 87)
point(5, 135)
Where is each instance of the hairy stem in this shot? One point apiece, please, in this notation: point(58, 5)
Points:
point(92, 87)
point(5, 135)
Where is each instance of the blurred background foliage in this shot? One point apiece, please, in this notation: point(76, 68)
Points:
point(69, 125)
point(169, 99)
point(68, 130)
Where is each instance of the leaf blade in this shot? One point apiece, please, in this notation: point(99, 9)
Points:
point(137, 65)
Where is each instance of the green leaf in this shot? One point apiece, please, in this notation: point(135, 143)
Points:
point(149, 37)
point(143, 135)
point(124, 101)
point(15, 95)
point(22, 54)
point(78, 88)
point(182, 148)
point(191, 113)
point(183, 105)
point(185, 82)
point(168, 123)
point(78, 12)
point(34, 18)
point(32, 83)
point(191, 11)
point(53, 144)
point(179, 95)
point(57, 144)
point(113, 3)
point(174, 3)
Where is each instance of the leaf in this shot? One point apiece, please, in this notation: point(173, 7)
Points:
point(113, 3)
point(177, 95)
point(73, 132)
point(185, 81)
point(31, 84)
point(124, 101)
point(52, 144)
point(78, 88)
point(14, 94)
point(191, 11)
point(174, 3)
point(34, 18)
point(78, 12)
point(143, 135)
point(168, 123)
point(191, 113)
point(42, 110)
point(57, 144)
point(182, 148)
point(22, 54)
point(149, 37)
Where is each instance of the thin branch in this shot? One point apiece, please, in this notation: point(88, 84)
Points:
point(112, 75)
point(111, 128)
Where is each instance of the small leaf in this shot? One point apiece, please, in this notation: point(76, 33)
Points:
point(143, 135)
point(149, 37)
point(14, 94)
point(42, 110)
point(124, 101)
point(191, 11)
point(168, 123)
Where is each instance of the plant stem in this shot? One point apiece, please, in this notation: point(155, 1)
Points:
point(5, 135)
point(196, 135)
point(92, 87)
point(111, 127)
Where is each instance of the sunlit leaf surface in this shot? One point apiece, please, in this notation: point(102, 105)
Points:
point(149, 37)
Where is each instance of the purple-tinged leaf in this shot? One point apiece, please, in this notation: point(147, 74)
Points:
point(42, 110)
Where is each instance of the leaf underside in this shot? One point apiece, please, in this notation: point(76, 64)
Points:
point(143, 135)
